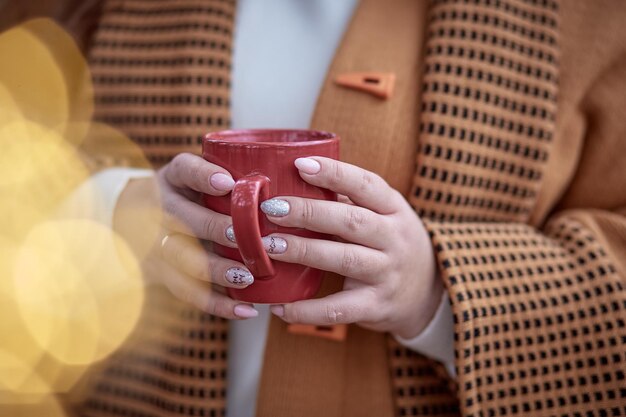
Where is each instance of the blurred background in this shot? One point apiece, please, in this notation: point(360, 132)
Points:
point(71, 289)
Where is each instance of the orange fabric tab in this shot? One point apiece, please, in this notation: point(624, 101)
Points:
point(379, 84)
point(337, 332)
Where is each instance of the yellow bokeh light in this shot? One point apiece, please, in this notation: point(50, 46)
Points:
point(79, 289)
point(9, 110)
point(107, 146)
point(37, 170)
point(33, 77)
point(75, 72)
point(29, 405)
point(47, 77)
point(19, 353)
point(25, 366)
point(18, 374)
point(72, 290)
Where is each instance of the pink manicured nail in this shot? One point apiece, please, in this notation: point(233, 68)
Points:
point(308, 165)
point(222, 182)
point(274, 244)
point(245, 311)
point(278, 310)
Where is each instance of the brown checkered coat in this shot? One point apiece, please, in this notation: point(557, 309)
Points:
point(506, 133)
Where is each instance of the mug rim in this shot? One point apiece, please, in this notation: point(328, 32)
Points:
point(229, 137)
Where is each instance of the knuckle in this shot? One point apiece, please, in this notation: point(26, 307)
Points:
point(212, 307)
point(177, 163)
point(208, 228)
point(355, 265)
point(335, 315)
point(368, 179)
point(173, 215)
point(185, 295)
point(195, 170)
point(192, 174)
point(350, 262)
point(176, 253)
point(307, 211)
point(170, 206)
point(206, 271)
point(301, 252)
point(337, 176)
point(355, 219)
point(219, 307)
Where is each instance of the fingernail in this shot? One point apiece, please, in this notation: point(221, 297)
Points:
point(245, 311)
point(308, 165)
point(275, 207)
point(230, 234)
point(274, 244)
point(239, 276)
point(164, 240)
point(278, 310)
point(222, 182)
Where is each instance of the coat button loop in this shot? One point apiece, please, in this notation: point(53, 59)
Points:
point(379, 84)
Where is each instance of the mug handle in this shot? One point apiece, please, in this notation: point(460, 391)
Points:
point(244, 209)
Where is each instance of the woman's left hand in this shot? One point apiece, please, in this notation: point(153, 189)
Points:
point(386, 255)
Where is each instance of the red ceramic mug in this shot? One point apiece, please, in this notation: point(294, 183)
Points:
point(262, 164)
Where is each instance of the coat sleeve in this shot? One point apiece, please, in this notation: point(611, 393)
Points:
point(539, 314)
point(529, 233)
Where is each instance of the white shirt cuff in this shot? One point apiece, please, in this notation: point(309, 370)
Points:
point(437, 340)
point(95, 199)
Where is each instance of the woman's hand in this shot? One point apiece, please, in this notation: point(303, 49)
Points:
point(182, 262)
point(386, 256)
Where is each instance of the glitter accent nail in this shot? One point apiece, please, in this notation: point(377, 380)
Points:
point(275, 207)
point(230, 234)
point(273, 244)
point(239, 276)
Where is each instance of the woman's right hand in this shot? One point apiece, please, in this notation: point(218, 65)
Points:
point(182, 261)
